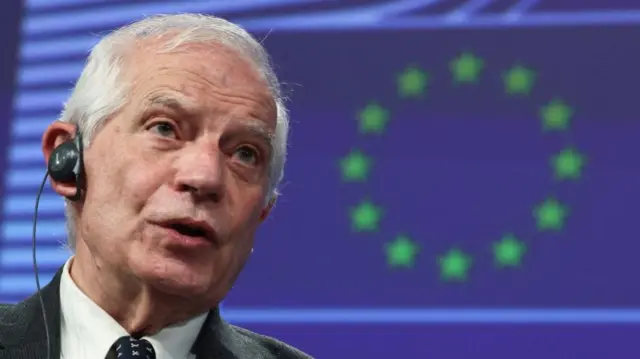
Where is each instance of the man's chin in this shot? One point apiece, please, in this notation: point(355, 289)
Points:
point(179, 280)
point(180, 287)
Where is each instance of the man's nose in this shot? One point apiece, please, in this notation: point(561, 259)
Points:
point(202, 173)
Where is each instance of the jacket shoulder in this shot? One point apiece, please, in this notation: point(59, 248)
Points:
point(11, 312)
point(274, 347)
point(5, 308)
point(14, 319)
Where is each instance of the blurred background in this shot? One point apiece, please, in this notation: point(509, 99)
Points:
point(463, 177)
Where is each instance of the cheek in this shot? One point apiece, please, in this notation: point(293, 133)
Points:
point(251, 204)
point(140, 182)
point(122, 181)
point(246, 225)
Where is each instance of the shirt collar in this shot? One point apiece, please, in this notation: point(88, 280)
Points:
point(83, 318)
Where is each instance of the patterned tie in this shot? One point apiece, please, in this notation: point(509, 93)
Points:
point(131, 348)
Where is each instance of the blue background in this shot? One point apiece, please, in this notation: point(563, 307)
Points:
point(457, 167)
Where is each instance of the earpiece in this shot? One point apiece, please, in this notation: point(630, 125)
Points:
point(65, 164)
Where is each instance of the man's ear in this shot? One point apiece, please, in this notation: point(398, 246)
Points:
point(55, 135)
point(266, 210)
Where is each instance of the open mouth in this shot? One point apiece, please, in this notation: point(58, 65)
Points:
point(188, 230)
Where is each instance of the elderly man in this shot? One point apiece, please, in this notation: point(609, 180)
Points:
point(179, 130)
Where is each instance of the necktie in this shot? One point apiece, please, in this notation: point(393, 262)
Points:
point(131, 348)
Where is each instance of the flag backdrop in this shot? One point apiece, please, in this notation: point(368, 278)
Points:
point(450, 162)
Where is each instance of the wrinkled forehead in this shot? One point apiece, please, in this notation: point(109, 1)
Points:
point(198, 69)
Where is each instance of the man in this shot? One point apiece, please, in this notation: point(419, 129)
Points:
point(184, 132)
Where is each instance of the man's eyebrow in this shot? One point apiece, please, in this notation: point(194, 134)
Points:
point(172, 103)
point(259, 129)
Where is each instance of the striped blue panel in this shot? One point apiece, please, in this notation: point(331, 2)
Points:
point(108, 15)
point(29, 128)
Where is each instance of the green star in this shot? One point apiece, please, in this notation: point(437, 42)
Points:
point(550, 215)
point(412, 82)
point(518, 80)
point(373, 119)
point(568, 164)
point(454, 265)
point(365, 217)
point(401, 252)
point(355, 167)
point(466, 68)
point(509, 251)
point(556, 116)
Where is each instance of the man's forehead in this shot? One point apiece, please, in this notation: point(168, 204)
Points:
point(186, 80)
point(217, 58)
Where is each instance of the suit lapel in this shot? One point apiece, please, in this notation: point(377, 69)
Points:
point(208, 345)
point(22, 328)
point(218, 340)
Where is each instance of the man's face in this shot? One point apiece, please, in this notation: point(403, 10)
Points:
point(190, 145)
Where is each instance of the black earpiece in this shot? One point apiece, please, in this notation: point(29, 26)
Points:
point(65, 164)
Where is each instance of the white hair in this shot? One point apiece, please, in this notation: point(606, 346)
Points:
point(101, 89)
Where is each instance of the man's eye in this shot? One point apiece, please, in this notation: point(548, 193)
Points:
point(164, 129)
point(247, 155)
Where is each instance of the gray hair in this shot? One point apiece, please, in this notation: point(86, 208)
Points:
point(100, 90)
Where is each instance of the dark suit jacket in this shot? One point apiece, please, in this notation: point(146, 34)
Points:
point(22, 333)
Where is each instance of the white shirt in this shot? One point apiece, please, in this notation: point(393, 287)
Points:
point(87, 331)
